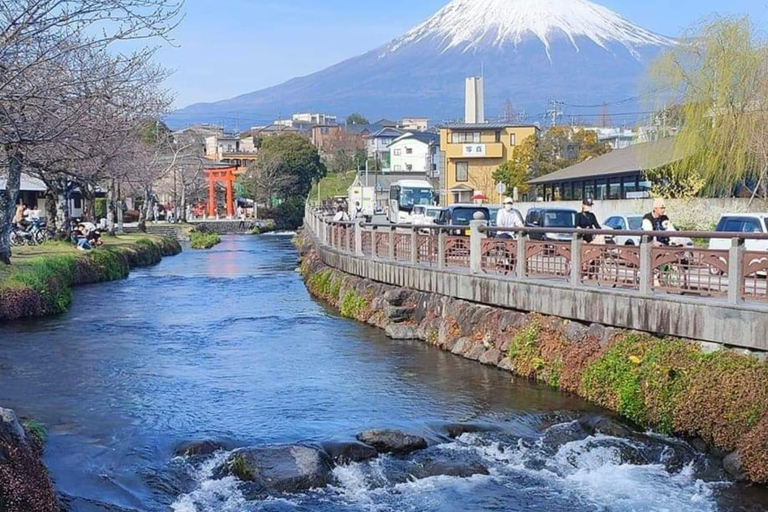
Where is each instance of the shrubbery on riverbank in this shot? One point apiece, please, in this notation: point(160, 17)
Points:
point(40, 280)
point(667, 384)
point(203, 240)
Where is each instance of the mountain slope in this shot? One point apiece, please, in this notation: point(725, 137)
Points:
point(530, 51)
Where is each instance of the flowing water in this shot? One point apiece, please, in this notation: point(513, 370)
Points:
point(228, 345)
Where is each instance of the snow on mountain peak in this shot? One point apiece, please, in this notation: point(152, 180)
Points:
point(469, 23)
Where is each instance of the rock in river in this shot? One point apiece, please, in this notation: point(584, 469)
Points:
point(198, 448)
point(392, 441)
point(290, 468)
point(346, 453)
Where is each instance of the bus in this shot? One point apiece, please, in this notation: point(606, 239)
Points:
point(404, 195)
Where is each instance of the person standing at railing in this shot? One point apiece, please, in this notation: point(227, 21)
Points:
point(508, 218)
point(585, 219)
point(657, 220)
point(341, 215)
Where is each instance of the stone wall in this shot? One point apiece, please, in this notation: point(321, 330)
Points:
point(672, 385)
point(697, 318)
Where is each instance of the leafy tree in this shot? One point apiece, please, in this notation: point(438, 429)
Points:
point(516, 172)
point(295, 157)
point(717, 81)
point(559, 147)
point(356, 118)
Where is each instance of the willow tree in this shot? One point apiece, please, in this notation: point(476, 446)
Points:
point(716, 79)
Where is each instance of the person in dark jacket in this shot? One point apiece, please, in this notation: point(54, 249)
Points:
point(657, 220)
point(585, 219)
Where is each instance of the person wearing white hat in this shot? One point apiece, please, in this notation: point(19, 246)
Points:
point(508, 218)
point(657, 220)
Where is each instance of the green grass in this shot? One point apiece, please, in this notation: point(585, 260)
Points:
point(203, 240)
point(353, 305)
point(333, 185)
point(40, 278)
point(36, 431)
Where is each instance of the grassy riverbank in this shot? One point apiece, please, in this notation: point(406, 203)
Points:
point(39, 282)
point(203, 240)
point(717, 398)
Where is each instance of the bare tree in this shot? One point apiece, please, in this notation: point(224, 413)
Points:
point(45, 87)
point(266, 178)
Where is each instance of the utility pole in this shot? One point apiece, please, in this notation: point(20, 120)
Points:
point(605, 119)
point(555, 111)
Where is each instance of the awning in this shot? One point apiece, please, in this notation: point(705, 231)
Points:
point(28, 184)
point(462, 188)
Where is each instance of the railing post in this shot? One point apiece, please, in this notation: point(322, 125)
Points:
point(374, 243)
point(646, 266)
point(522, 238)
point(414, 246)
point(735, 270)
point(324, 234)
point(476, 246)
point(441, 236)
point(333, 235)
point(391, 248)
point(576, 244)
point(358, 239)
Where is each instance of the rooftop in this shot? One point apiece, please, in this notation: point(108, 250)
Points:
point(425, 137)
point(639, 157)
point(485, 126)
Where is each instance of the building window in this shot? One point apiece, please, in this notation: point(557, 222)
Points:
point(408, 151)
point(614, 188)
point(465, 137)
point(589, 189)
point(631, 187)
point(408, 167)
point(578, 191)
point(77, 202)
point(398, 167)
point(601, 190)
point(567, 188)
point(513, 140)
point(398, 152)
point(462, 171)
point(498, 135)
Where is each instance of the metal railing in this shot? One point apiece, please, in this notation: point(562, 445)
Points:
point(735, 275)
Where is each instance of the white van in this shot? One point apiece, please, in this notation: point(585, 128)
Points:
point(741, 223)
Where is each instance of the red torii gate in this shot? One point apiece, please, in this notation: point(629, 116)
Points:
point(216, 175)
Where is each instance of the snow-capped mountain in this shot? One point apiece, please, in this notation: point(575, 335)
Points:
point(530, 51)
point(477, 24)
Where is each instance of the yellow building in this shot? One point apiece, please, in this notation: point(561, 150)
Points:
point(471, 154)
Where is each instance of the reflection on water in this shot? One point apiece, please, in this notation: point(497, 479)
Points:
point(227, 344)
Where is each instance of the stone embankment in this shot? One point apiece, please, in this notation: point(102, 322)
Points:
point(717, 399)
point(43, 284)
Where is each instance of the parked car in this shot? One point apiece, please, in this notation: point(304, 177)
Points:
point(551, 218)
point(460, 215)
point(741, 223)
point(633, 222)
point(423, 215)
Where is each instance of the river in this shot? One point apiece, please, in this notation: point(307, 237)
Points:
point(228, 345)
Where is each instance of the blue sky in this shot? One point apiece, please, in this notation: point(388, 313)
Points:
point(229, 47)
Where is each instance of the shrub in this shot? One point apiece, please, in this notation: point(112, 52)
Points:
point(353, 305)
point(199, 240)
point(727, 396)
